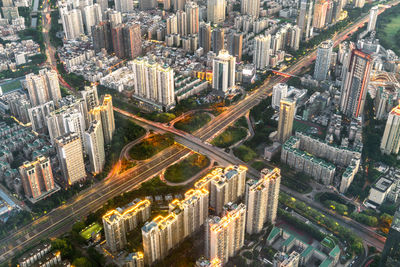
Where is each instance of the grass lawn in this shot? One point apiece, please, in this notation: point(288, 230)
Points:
point(230, 136)
point(193, 122)
point(151, 146)
point(10, 86)
point(245, 153)
point(87, 232)
point(187, 168)
point(390, 31)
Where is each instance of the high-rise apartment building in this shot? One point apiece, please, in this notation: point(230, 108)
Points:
point(225, 185)
point(95, 146)
point(118, 40)
point(218, 40)
point(147, 4)
point(72, 22)
point(38, 114)
point(105, 114)
point(132, 40)
point(103, 6)
point(355, 83)
point(192, 15)
point(250, 7)
point(262, 200)
point(43, 87)
point(37, 178)
point(279, 91)
point(172, 24)
point(223, 71)
point(216, 11)
point(320, 10)
point(225, 236)
point(70, 156)
point(101, 34)
point(373, 16)
point(124, 6)
point(235, 45)
point(92, 15)
point(154, 83)
point(205, 37)
point(185, 217)
point(390, 142)
point(134, 259)
point(305, 18)
point(182, 24)
point(261, 51)
point(391, 250)
point(114, 17)
point(323, 61)
point(89, 94)
point(178, 4)
point(359, 3)
point(287, 112)
point(117, 223)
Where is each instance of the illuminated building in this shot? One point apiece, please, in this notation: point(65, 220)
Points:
point(135, 259)
point(225, 236)
point(223, 71)
point(95, 146)
point(70, 156)
point(185, 217)
point(287, 111)
point(204, 262)
point(355, 83)
point(320, 10)
point(225, 185)
point(250, 7)
point(216, 11)
point(118, 222)
point(105, 114)
point(37, 177)
point(390, 142)
point(262, 200)
point(262, 47)
point(43, 87)
point(323, 61)
point(154, 83)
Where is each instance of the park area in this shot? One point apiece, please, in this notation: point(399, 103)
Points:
point(94, 228)
point(187, 168)
point(151, 146)
point(229, 137)
point(193, 122)
point(388, 29)
point(10, 86)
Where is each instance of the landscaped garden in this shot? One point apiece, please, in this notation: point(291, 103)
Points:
point(193, 122)
point(187, 168)
point(151, 146)
point(229, 137)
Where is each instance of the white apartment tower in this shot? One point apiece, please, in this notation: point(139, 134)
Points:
point(43, 87)
point(262, 200)
point(70, 156)
point(124, 6)
point(95, 146)
point(72, 23)
point(323, 61)
point(223, 71)
point(373, 16)
point(216, 11)
point(279, 92)
point(192, 14)
point(250, 7)
point(262, 45)
point(390, 142)
point(92, 15)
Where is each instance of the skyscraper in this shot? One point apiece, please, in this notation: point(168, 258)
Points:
point(103, 6)
point(223, 71)
point(205, 37)
point(132, 40)
point(147, 4)
point(105, 114)
point(286, 116)
point(182, 24)
point(373, 16)
point(95, 146)
point(216, 11)
point(37, 177)
point(178, 4)
point(359, 3)
point(355, 83)
point(235, 45)
point(114, 17)
point(72, 22)
point(192, 14)
point(225, 236)
point(320, 10)
point(154, 84)
point(70, 156)
point(218, 40)
point(323, 61)
point(172, 24)
point(261, 51)
point(43, 87)
point(250, 7)
point(92, 15)
point(118, 40)
point(262, 200)
point(38, 114)
point(101, 34)
point(390, 142)
point(391, 250)
point(279, 91)
point(304, 19)
point(117, 223)
point(124, 5)
point(89, 94)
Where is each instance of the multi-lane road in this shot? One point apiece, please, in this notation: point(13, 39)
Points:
point(61, 219)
